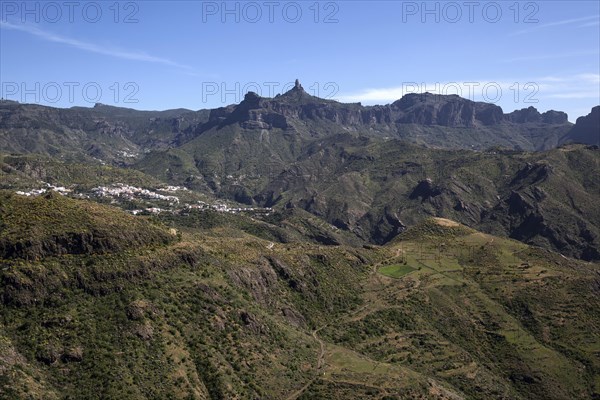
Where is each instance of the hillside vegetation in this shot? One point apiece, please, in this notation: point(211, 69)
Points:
point(217, 312)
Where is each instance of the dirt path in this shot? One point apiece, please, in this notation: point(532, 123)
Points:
point(321, 358)
point(320, 365)
point(355, 315)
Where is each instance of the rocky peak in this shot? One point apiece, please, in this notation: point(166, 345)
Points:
point(242, 112)
point(251, 100)
point(297, 94)
point(532, 115)
point(529, 114)
point(555, 117)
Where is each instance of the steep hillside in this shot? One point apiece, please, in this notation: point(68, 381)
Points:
point(491, 317)
point(442, 312)
point(19, 171)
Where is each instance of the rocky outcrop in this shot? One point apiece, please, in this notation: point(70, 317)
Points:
point(555, 117)
point(259, 280)
point(424, 190)
point(529, 213)
point(382, 227)
point(531, 174)
point(532, 115)
point(451, 110)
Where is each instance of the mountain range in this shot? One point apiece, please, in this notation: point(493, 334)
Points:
point(434, 120)
point(371, 171)
point(296, 248)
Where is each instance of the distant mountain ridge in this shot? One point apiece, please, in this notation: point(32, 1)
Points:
point(105, 133)
point(415, 108)
point(115, 134)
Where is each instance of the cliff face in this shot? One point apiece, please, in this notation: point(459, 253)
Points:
point(586, 129)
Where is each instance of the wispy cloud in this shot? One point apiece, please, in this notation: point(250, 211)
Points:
point(593, 23)
point(574, 95)
point(93, 48)
point(593, 18)
point(468, 89)
point(591, 78)
point(540, 57)
point(576, 86)
point(568, 92)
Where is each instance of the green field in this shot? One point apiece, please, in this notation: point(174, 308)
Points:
point(396, 270)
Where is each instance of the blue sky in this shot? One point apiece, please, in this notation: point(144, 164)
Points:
point(195, 54)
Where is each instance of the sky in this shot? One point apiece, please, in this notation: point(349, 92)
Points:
point(156, 55)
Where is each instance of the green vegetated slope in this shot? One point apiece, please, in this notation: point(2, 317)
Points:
point(33, 228)
point(489, 317)
point(217, 314)
point(265, 311)
point(396, 270)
